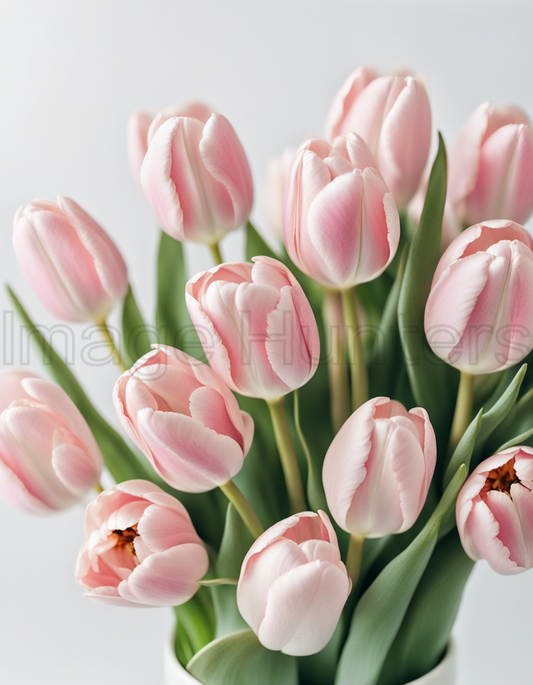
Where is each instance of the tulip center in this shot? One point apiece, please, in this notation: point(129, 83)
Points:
point(124, 538)
point(501, 479)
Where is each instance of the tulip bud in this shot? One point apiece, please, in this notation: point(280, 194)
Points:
point(393, 116)
point(340, 222)
point(141, 549)
point(491, 166)
point(257, 327)
point(293, 585)
point(495, 511)
point(184, 419)
point(71, 263)
point(142, 126)
point(379, 467)
point(196, 178)
point(49, 458)
point(274, 192)
point(479, 314)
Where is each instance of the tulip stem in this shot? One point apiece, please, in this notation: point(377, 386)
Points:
point(337, 367)
point(464, 409)
point(117, 359)
point(215, 251)
point(243, 507)
point(354, 557)
point(289, 462)
point(358, 370)
point(98, 487)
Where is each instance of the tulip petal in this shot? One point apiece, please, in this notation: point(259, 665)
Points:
point(338, 120)
point(74, 468)
point(111, 597)
point(162, 528)
point(484, 529)
point(208, 407)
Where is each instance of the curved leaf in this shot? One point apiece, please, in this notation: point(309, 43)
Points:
point(463, 452)
point(136, 340)
point(240, 659)
point(381, 610)
point(518, 422)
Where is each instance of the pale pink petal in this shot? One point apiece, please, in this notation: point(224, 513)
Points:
point(75, 468)
point(338, 120)
point(162, 528)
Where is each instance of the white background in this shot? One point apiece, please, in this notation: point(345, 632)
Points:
point(70, 74)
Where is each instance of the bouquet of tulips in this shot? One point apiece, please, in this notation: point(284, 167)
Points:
point(319, 442)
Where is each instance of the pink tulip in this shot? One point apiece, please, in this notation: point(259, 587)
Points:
point(293, 585)
point(71, 263)
point(142, 126)
point(491, 166)
point(378, 468)
point(495, 511)
point(393, 116)
point(141, 549)
point(259, 331)
point(184, 419)
point(49, 459)
point(479, 314)
point(274, 192)
point(196, 178)
point(340, 221)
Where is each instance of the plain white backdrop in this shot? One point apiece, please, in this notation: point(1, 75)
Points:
point(70, 74)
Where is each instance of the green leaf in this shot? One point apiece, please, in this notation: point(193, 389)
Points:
point(319, 668)
point(240, 659)
point(463, 452)
point(315, 490)
point(381, 610)
point(174, 325)
point(433, 382)
point(134, 332)
point(427, 625)
point(256, 246)
point(236, 542)
point(518, 422)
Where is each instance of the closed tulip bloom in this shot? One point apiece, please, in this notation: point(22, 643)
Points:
point(495, 511)
point(491, 166)
point(341, 225)
point(379, 467)
point(393, 116)
point(274, 191)
point(141, 549)
point(259, 331)
point(184, 419)
point(196, 178)
point(293, 585)
point(71, 263)
point(479, 314)
point(143, 125)
point(49, 459)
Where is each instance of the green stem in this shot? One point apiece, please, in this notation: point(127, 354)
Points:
point(109, 340)
point(337, 367)
point(315, 489)
point(289, 462)
point(98, 487)
point(358, 370)
point(215, 251)
point(243, 507)
point(354, 557)
point(464, 408)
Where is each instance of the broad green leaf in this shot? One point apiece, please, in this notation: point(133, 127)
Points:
point(381, 610)
point(387, 350)
point(197, 620)
point(236, 542)
point(256, 246)
point(434, 383)
point(427, 625)
point(174, 325)
point(240, 659)
point(136, 340)
point(319, 668)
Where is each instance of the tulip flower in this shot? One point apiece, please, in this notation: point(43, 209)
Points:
point(142, 126)
point(196, 178)
point(70, 262)
point(259, 331)
point(495, 511)
point(49, 459)
point(274, 192)
point(379, 467)
point(141, 549)
point(393, 116)
point(491, 166)
point(479, 314)
point(340, 222)
point(293, 585)
point(184, 419)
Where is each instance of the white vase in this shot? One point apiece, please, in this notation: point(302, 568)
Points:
point(443, 674)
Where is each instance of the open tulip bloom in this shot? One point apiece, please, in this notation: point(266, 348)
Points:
point(347, 394)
